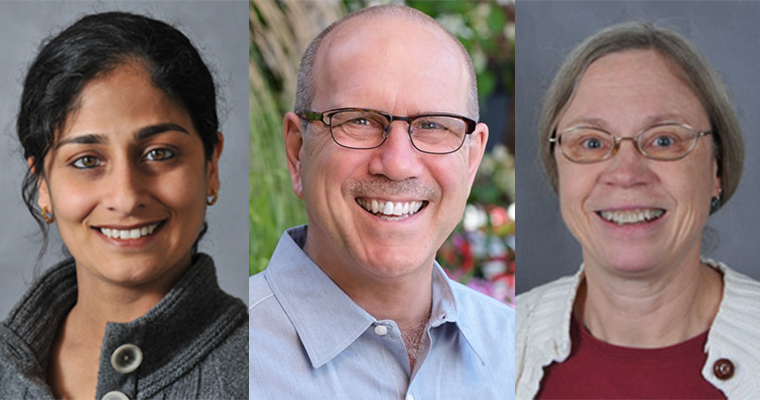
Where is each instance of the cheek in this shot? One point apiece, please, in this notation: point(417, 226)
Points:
point(451, 176)
point(183, 190)
point(73, 199)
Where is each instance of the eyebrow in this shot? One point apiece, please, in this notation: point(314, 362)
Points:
point(648, 121)
point(143, 133)
point(152, 130)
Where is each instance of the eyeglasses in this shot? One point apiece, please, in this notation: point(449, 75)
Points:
point(662, 142)
point(359, 128)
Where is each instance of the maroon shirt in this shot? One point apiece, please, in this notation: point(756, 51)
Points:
point(599, 370)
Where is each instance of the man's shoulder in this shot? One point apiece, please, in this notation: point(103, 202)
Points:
point(487, 313)
point(468, 297)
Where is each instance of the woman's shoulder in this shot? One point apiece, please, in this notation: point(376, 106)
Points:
point(548, 295)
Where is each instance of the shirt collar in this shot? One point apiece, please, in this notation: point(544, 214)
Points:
point(327, 320)
point(450, 304)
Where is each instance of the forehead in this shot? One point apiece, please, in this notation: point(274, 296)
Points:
point(391, 63)
point(634, 87)
point(121, 100)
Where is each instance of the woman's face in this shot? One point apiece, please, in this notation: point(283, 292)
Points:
point(624, 93)
point(127, 180)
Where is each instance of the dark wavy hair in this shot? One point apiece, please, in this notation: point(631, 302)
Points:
point(90, 48)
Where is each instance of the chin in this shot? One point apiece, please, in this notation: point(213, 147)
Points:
point(634, 262)
point(393, 264)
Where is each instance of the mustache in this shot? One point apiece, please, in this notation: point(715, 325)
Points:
point(379, 186)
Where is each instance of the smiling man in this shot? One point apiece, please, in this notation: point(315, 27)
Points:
point(383, 147)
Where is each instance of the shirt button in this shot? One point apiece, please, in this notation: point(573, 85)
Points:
point(409, 397)
point(126, 358)
point(723, 369)
point(381, 330)
point(115, 395)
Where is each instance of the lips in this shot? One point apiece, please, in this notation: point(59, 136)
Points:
point(391, 209)
point(132, 233)
point(632, 216)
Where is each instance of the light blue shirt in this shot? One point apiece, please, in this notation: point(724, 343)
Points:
point(309, 340)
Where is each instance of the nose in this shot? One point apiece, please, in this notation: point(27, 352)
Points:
point(627, 167)
point(397, 159)
point(125, 189)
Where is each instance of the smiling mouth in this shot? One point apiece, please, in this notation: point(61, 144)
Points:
point(389, 210)
point(631, 217)
point(126, 234)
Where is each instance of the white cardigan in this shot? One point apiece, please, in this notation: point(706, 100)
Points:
point(543, 333)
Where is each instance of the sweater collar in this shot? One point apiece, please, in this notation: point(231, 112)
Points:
point(193, 318)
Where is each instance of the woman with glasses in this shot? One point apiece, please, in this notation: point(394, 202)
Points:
point(641, 143)
point(119, 129)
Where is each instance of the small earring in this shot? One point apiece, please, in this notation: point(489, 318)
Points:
point(47, 219)
point(216, 197)
point(714, 204)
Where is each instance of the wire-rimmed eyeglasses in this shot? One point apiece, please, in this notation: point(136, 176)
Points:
point(663, 142)
point(361, 128)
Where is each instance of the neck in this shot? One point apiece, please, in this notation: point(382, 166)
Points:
point(658, 310)
point(100, 301)
point(405, 299)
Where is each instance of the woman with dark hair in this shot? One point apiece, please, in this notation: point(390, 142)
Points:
point(119, 127)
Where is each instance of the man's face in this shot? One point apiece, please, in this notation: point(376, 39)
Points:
point(403, 68)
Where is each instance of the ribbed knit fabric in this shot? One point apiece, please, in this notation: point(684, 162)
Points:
point(194, 341)
point(543, 333)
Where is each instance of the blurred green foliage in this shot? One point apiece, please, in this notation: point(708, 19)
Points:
point(486, 29)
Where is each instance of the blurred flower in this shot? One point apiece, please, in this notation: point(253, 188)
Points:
point(480, 253)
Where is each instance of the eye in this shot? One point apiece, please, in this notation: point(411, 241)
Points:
point(664, 141)
point(592, 143)
point(431, 125)
point(86, 162)
point(160, 155)
point(360, 121)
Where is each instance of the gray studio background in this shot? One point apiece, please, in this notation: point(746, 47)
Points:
point(220, 31)
point(727, 33)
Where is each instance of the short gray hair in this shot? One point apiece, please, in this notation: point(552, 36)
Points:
point(695, 70)
point(306, 86)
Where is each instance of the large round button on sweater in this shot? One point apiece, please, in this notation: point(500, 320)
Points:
point(723, 369)
point(126, 358)
point(115, 395)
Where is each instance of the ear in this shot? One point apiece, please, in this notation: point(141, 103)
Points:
point(212, 171)
point(293, 130)
point(43, 192)
point(717, 183)
point(478, 141)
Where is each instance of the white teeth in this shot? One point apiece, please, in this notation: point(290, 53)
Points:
point(389, 208)
point(632, 216)
point(397, 210)
point(129, 233)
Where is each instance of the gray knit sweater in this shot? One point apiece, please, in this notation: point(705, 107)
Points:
point(194, 342)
